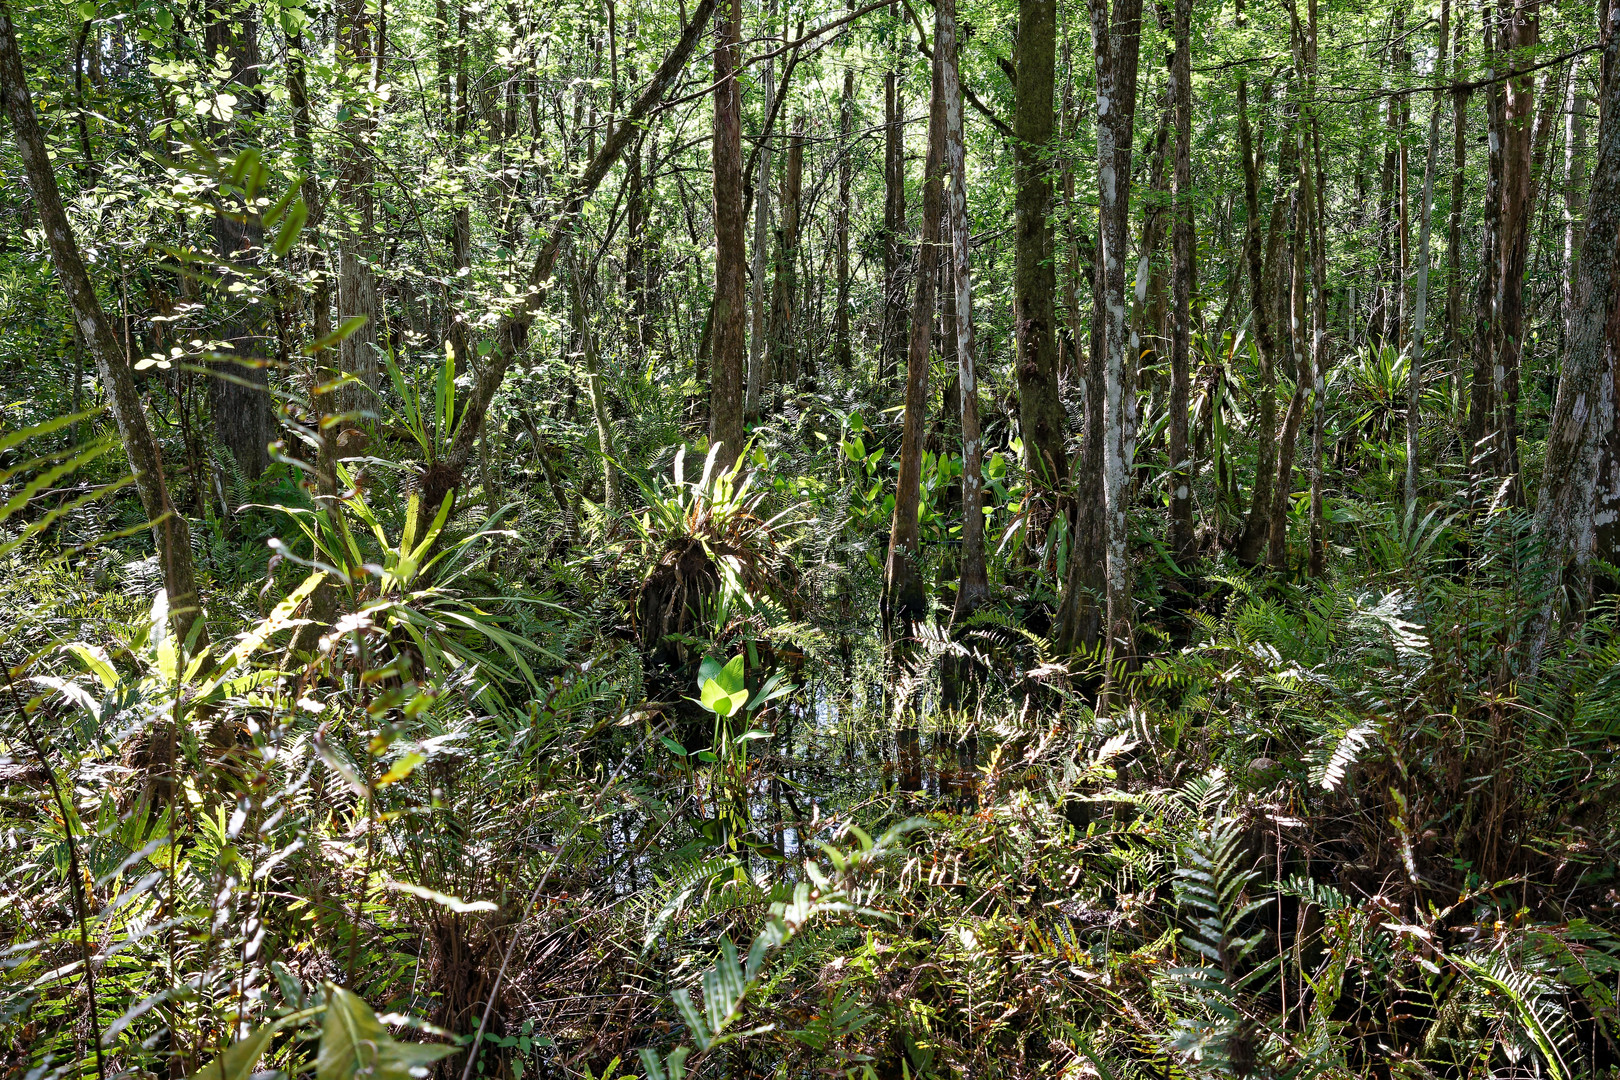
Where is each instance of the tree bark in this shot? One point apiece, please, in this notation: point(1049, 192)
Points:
point(1583, 412)
point(762, 237)
point(1575, 182)
point(974, 587)
point(729, 343)
point(357, 281)
point(1459, 177)
point(1420, 285)
point(1257, 528)
point(1183, 244)
point(170, 533)
point(1481, 395)
point(1522, 34)
point(904, 602)
point(1116, 43)
point(786, 356)
point(239, 390)
point(894, 217)
point(843, 354)
point(1040, 409)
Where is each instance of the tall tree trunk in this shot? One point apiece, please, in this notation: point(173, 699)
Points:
point(593, 383)
point(239, 391)
point(974, 587)
point(1420, 286)
point(1183, 244)
point(1522, 33)
point(357, 281)
point(1583, 412)
point(461, 211)
point(1459, 179)
point(1257, 528)
point(1116, 42)
point(1317, 560)
point(1287, 439)
point(843, 353)
point(905, 602)
point(1040, 409)
point(786, 355)
point(729, 343)
point(1481, 395)
point(170, 533)
point(1574, 192)
point(1400, 118)
point(894, 216)
point(762, 237)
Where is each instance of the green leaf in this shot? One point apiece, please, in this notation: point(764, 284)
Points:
point(353, 1039)
point(454, 903)
point(291, 226)
point(731, 676)
point(87, 10)
point(674, 747)
point(237, 1062)
point(721, 702)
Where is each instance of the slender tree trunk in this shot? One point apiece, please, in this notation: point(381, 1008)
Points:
point(1317, 560)
point(1116, 42)
point(786, 355)
point(170, 533)
point(1183, 245)
point(1583, 412)
point(1481, 396)
point(461, 212)
point(843, 353)
point(728, 343)
point(598, 393)
point(357, 281)
point(1522, 33)
point(1420, 288)
point(762, 237)
point(905, 602)
point(1257, 528)
point(239, 391)
point(1040, 409)
point(1287, 439)
point(974, 587)
point(1459, 177)
point(1575, 182)
point(894, 217)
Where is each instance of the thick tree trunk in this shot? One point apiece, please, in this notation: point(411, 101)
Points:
point(170, 533)
point(762, 239)
point(1568, 502)
point(1040, 409)
point(1116, 42)
point(974, 587)
point(729, 343)
point(905, 602)
point(1183, 246)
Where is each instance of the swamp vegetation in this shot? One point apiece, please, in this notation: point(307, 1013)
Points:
point(749, 538)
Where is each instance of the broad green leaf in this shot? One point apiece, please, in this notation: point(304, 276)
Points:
point(730, 677)
point(291, 226)
point(95, 661)
point(238, 1060)
point(354, 1040)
